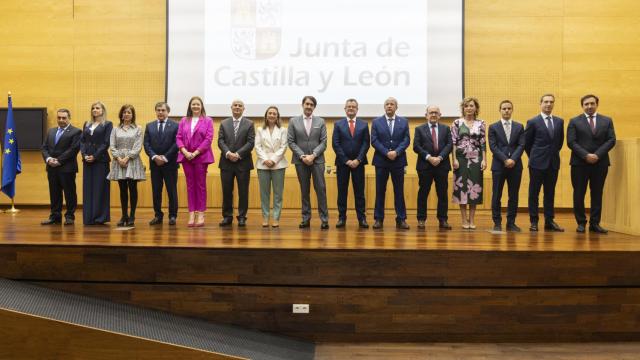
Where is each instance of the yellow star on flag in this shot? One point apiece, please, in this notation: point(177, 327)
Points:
point(7, 151)
point(10, 141)
point(10, 131)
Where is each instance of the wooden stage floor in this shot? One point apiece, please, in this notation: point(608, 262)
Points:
point(25, 228)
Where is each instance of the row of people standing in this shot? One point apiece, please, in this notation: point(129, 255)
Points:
point(189, 143)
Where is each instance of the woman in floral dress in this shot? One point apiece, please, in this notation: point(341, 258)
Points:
point(469, 160)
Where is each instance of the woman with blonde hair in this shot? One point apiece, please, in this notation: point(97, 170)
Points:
point(94, 144)
point(469, 160)
point(271, 144)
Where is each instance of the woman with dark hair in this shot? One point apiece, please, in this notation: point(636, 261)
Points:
point(94, 143)
point(127, 168)
point(195, 133)
point(469, 159)
point(271, 144)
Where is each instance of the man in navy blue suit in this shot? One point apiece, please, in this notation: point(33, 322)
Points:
point(506, 141)
point(350, 142)
point(544, 136)
point(432, 142)
point(590, 136)
point(390, 139)
point(160, 145)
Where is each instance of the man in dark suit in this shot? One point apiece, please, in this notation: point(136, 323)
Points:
point(236, 140)
point(432, 142)
point(544, 136)
point(590, 136)
point(59, 151)
point(506, 141)
point(307, 138)
point(160, 146)
point(350, 142)
point(390, 139)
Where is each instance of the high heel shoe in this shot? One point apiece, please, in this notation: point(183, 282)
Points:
point(192, 219)
point(265, 223)
point(131, 221)
point(200, 219)
point(123, 222)
point(275, 224)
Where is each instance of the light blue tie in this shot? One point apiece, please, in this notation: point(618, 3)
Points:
point(58, 135)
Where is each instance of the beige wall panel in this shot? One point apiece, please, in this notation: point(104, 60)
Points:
point(597, 8)
point(508, 8)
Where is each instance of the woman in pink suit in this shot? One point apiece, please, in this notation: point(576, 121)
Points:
point(194, 137)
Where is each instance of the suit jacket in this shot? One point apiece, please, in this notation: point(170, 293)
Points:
point(154, 144)
point(349, 147)
point(582, 141)
point(383, 141)
point(96, 144)
point(423, 146)
point(200, 139)
point(242, 144)
point(542, 149)
point(303, 144)
point(503, 149)
point(66, 150)
point(271, 146)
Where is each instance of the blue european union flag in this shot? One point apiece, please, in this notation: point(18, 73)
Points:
point(11, 165)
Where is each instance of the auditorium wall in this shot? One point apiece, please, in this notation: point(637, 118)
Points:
point(72, 53)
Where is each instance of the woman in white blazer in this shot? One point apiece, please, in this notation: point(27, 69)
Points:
point(271, 144)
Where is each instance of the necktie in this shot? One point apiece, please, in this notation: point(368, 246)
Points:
point(550, 125)
point(434, 138)
point(307, 125)
point(390, 126)
point(161, 128)
point(236, 125)
point(58, 135)
point(592, 124)
point(352, 127)
point(507, 130)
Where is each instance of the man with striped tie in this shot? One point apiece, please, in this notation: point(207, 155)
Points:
point(236, 140)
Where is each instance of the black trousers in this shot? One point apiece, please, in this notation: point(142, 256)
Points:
point(594, 176)
point(95, 193)
point(62, 183)
point(242, 178)
point(128, 193)
point(512, 177)
point(537, 179)
point(425, 179)
point(357, 179)
point(162, 175)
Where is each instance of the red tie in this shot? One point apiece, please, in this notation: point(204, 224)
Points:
point(592, 124)
point(434, 138)
point(352, 127)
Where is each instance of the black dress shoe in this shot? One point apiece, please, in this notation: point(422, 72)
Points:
point(596, 228)
point(341, 223)
point(444, 225)
point(51, 222)
point(131, 221)
point(325, 225)
point(377, 224)
point(552, 226)
point(513, 228)
point(121, 223)
point(155, 221)
point(402, 225)
point(242, 222)
point(69, 221)
point(580, 228)
point(497, 227)
point(225, 222)
point(363, 224)
point(172, 221)
point(533, 227)
point(421, 224)
point(304, 224)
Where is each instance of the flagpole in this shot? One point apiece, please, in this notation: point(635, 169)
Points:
point(13, 209)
